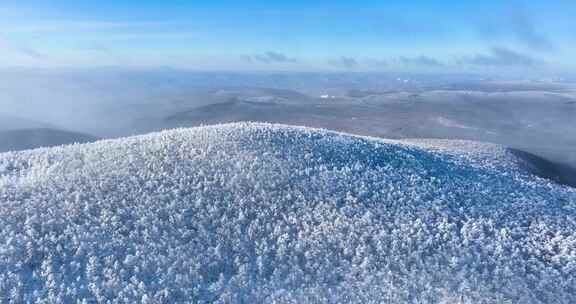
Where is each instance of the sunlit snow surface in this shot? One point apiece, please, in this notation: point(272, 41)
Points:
point(257, 213)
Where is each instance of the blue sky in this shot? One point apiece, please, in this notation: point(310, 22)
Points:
point(380, 35)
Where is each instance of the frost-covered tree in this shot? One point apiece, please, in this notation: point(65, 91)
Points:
point(257, 213)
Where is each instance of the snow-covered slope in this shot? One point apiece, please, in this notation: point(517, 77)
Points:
point(257, 213)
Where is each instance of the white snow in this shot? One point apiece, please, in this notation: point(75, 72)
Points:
point(258, 213)
point(445, 122)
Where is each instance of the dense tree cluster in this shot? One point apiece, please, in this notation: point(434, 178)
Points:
point(256, 213)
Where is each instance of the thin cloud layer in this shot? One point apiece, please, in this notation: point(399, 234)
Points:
point(372, 62)
point(517, 25)
point(20, 49)
point(526, 31)
point(502, 57)
point(422, 60)
point(344, 62)
point(270, 57)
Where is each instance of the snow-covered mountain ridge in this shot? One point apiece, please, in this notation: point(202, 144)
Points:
point(265, 213)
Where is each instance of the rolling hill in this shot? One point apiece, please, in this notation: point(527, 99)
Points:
point(260, 213)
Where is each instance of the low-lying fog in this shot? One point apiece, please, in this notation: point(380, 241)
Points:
point(48, 107)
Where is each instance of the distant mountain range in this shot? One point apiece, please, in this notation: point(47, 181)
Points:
point(23, 139)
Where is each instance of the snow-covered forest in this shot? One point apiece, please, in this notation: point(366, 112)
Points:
point(258, 213)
